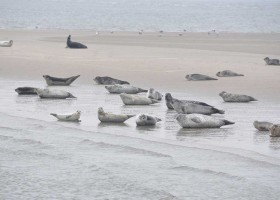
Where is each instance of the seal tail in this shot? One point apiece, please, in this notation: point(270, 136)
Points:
point(53, 114)
point(72, 79)
point(228, 122)
point(72, 96)
point(218, 111)
point(154, 101)
point(158, 119)
point(129, 116)
point(142, 90)
point(253, 99)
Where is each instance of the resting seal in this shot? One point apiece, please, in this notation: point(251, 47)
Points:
point(152, 94)
point(60, 81)
point(53, 94)
point(74, 45)
point(199, 77)
point(6, 43)
point(200, 121)
point(228, 73)
point(128, 89)
point(228, 97)
point(146, 120)
point(112, 118)
point(68, 117)
point(271, 61)
point(26, 90)
point(130, 99)
point(106, 80)
point(262, 126)
point(275, 130)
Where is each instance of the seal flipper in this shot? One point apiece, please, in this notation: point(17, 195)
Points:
point(228, 122)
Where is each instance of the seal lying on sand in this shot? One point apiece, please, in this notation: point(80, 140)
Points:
point(262, 126)
point(26, 90)
point(275, 130)
point(6, 43)
point(60, 81)
point(146, 120)
point(74, 45)
point(106, 80)
point(112, 118)
point(190, 108)
point(228, 97)
point(271, 61)
point(169, 98)
point(75, 117)
point(128, 89)
point(152, 94)
point(228, 73)
point(200, 121)
point(53, 94)
point(199, 77)
point(130, 99)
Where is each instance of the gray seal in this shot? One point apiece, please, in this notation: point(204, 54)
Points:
point(152, 94)
point(128, 89)
point(112, 118)
point(275, 130)
point(271, 61)
point(6, 43)
point(229, 97)
point(262, 126)
point(201, 121)
point(199, 77)
point(106, 80)
point(54, 81)
point(132, 99)
point(146, 120)
point(26, 91)
point(74, 45)
point(54, 94)
point(228, 73)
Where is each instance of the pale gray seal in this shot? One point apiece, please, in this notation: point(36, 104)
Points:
point(112, 118)
point(271, 61)
point(200, 121)
point(26, 90)
point(74, 117)
point(54, 94)
point(52, 81)
point(128, 89)
point(6, 43)
point(152, 94)
point(262, 126)
point(199, 77)
point(132, 99)
point(146, 120)
point(106, 80)
point(228, 73)
point(275, 130)
point(228, 97)
point(74, 45)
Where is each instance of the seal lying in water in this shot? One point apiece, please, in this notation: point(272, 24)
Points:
point(50, 80)
point(74, 45)
point(74, 117)
point(152, 94)
point(106, 80)
point(53, 94)
point(6, 43)
point(262, 126)
point(228, 97)
point(275, 130)
point(199, 77)
point(146, 120)
point(128, 89)
point(271, 61)
point(26, 90)
point(169, 98)
point(112, 118)
point(130, 99)
point(200, 121)
point(228, 73)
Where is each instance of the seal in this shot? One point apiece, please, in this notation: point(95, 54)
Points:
point(26, 91)
point(54, 81)
point(74, 45)
point(132, 99)
point(146, 120)
point(169, 98)
point(106, 80)
point(54, 94)
point(152, 94)
point(199, 77)
point(6, 43)
point(271, 61)
point(262, 126)
point(112, 118)
point(201, 121)
point(74, 117)
point(228, 97)
point(275, 130)
point(228, 73)
point(128, 89)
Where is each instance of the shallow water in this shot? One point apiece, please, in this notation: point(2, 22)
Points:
point(43, 158)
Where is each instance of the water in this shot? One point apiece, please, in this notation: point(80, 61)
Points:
point(41, 158)
point(149, 15)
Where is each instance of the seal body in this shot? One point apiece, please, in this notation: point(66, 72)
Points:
point(275, 130)
point(112, 118)
point(131, 99)
point(200, 121)
point(271, 61)
point(6, 43)
point(74, 45)
point(152, 94)
point(228, 73)
point(146, 120)
point(199, 77)
point(74, 117)
point(53, 81)
point(228, 97)
point(262, 126)
point(53, 94)
point(26, 91)
point(106, 80)
point(128, 89)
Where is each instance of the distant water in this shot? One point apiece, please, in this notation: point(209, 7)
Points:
point(149, 15)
